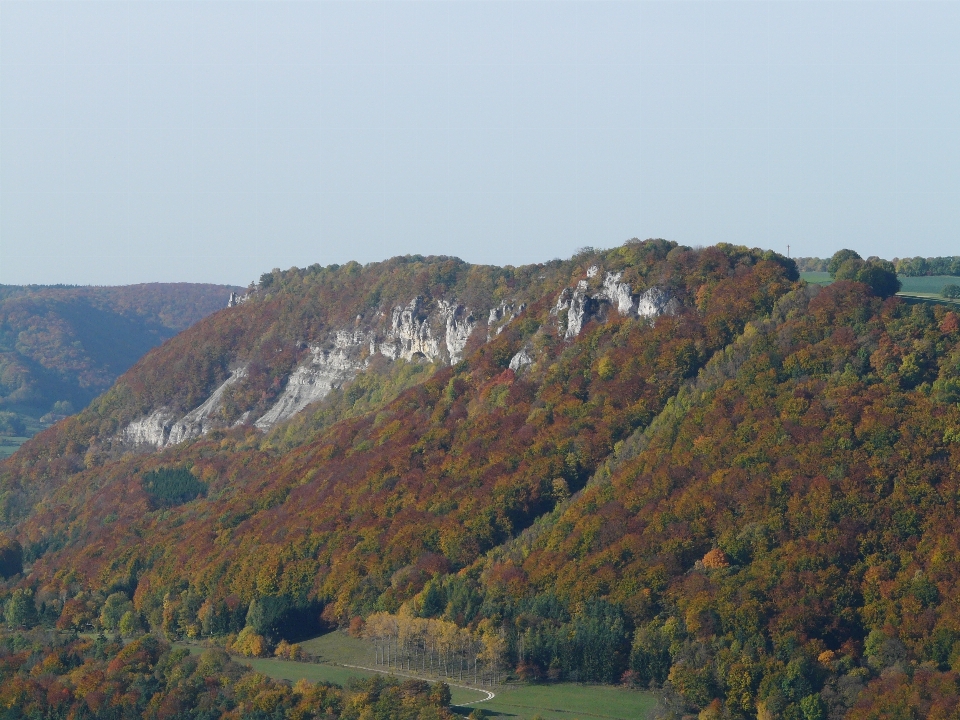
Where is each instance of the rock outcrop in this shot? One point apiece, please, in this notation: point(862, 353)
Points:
point(314, 379)
point(154, 429)
point(655, 302)
point(581, 306)
point(618, 293)
point(520, 360)
point(161, 427)
point(416, 331)
point(410, 334)
point(459, 325)
point(501, 316)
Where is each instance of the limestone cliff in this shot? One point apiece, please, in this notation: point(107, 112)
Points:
point(323, 371)
point(162, 427)
point(435, 332)
point(420, 330)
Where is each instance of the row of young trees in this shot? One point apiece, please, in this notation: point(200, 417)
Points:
point(534, 638)
point(438, 647)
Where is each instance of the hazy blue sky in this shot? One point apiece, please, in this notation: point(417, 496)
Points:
point(213, 141)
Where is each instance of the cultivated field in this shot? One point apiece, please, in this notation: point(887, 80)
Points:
point(817, 278)
point(911, 288)
point(927, 285)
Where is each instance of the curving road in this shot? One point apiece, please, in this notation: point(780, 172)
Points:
point(489, 695)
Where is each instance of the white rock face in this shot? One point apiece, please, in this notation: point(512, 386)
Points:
point(151, 430)
point(161, 427)
point(236, 299)
point(654, 303)
point(581, 306)
point(460, 324)
point(521, 359)
point(200, 420)
point(501, 316)
point(410, 334)
point(618, 293)
point(437, 332)
point(314, 379)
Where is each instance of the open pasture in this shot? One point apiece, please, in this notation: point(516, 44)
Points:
point(931, 284)
point(567, 701)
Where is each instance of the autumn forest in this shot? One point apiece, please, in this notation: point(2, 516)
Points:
point(745, 502)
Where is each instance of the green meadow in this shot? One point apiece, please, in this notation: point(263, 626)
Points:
point(911, 288)
point(567, 701)
point(932, 284)
point(817, 278)
point(551, 701)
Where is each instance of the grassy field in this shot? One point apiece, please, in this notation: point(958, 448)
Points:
point(338, 647)
point(564, 701)
point(927, 285)
point(915, 288)
point(293, 671)
point(350, 651)
point(929, 297)
point(567, 701)
point(338, 675)
point(9, 445)
point(817, 278)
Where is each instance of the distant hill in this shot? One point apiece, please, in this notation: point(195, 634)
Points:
point(62, 346)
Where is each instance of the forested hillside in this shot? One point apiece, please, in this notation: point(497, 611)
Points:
point(61, 346)
point(652, 465)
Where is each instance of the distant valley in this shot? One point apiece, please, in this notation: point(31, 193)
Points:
point(62, 346)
